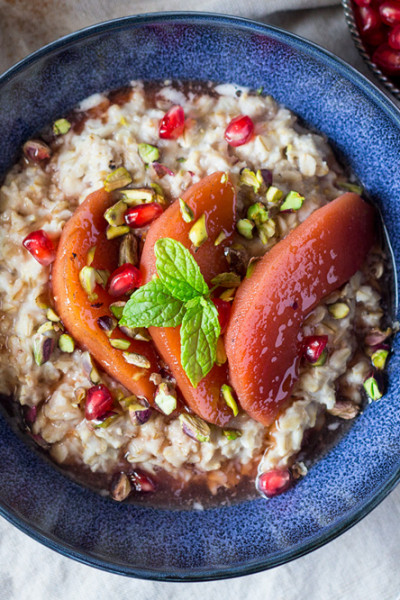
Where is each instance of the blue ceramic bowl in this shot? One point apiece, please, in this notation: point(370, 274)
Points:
point(364, 128)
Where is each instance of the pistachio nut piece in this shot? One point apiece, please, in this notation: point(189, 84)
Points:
point(128, 250)
point(198, 233)
point(165, 398)
point(43, 346)
point(66, 343)
point(90, 368)
point(115, 214)
point(139, 414)
point(137, 359)
point(195, 428)
point(117, 179)
point(120, 487)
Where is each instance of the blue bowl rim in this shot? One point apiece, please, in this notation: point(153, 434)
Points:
point(391, 111)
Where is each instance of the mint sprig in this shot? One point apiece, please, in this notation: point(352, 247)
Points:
point(179, 296)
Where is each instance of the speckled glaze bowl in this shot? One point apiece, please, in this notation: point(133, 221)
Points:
point(364, 128)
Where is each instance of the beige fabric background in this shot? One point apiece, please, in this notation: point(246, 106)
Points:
point(363, 564)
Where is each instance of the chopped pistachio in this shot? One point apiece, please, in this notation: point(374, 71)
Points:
point(120, 487)
point(107, 324)
point(293, 201)
point(113, 232)
point(101, 276)
point(321, 360)
point(127, 401)
point(155, 378)
point(42, 301)
point(379, 358)
point(224, 178)
point(198, 233)
point(117, 308)
point(90, 256)
point(195, 428)
point(339, 310)
point(61, 126)
point(266, 231)
point(128, 250)
point(115, 215)
point(52, 315)
point(232, 434)
point(257, 213)
point(66, 343)
point(245, 228)
point(139, 414)
point(226, 280)
point(165, 398)
point(87, 278)
point(186, 211)
point(46, 326)
point(43, 346)
point(228, 294)
point(105, 422)
point(136, 333)
point(351, 187)
point(80, 396)
point(221, 357)
point(181, 159)
point(117, 179)
point(230, 401)
point(90, 368)
point(137, 359)
point(274, 194)
point(159, 192)
point(138, 196)
point(377, 336)
point(249, 178)
point(120, 343)
point(220, 238)
point(251, 266)
point(372, 389)
point(148, 153)
point(260, 90)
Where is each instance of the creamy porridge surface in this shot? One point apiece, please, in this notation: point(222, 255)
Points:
point(44, 196)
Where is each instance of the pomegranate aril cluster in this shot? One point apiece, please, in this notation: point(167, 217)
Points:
point(378, 22)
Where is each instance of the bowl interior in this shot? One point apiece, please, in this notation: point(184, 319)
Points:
point(364, 129)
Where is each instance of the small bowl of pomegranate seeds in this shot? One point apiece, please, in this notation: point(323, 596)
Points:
point(199, 364)
point(375, 28)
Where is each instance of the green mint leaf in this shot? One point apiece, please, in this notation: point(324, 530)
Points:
point(152, 305)
point(199, 334)
point(178, 270)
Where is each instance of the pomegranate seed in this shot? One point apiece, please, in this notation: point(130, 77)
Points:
point(98, 402)
point(172, 124)
point(40, 246)
point(143, 214)
point(368, 19)
point(141, 482)
point(394, 38)
point(124, 279)
point(375, 37)
point(387, 59)
point(275, 482)
point(239, 131)
point(363, 2)
point(224, 312)
point(390, 12)
point(313, 346)
point(36, 151)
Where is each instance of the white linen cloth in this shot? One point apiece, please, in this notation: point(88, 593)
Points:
point(363, 564)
